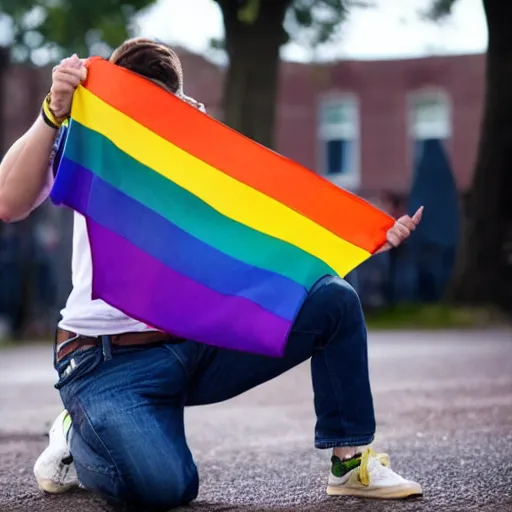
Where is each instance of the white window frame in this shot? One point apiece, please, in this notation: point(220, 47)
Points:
point(436, 129)
point(351, 180)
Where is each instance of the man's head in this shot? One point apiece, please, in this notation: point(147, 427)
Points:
point(152, 60)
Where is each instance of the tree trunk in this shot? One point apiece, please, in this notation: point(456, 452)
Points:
point(4, 64)
point(250, 89)
point(484, 271)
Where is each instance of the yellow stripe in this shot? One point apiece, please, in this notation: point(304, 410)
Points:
point(227, 195)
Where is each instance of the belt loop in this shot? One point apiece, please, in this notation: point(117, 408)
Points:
point(106, 347)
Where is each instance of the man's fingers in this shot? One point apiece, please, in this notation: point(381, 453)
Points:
point(66, 81)
point(61, 87)
point(70, 80)
point(411, 222)
point(74, 61)
point(416, 218)
point(79, 65)
point(402, 230)
point(66, 77)
point(393, 239)
point(71, 60)
point(67, 71)
point(397, 234)
point(65, 62)
point(407, 222)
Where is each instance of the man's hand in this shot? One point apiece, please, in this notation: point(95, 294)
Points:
point(66, 77)
point(192, 102)
point(402, 230)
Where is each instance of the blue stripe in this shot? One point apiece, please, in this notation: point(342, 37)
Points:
point(175, 248)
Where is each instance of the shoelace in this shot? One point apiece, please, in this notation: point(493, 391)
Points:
point(364, 473)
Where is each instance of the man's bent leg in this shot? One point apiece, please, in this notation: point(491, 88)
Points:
point(329, 329)
point(127, 439)
point(341, 383)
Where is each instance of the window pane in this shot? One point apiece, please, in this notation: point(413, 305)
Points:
point(430, 111)
point(430, 116)
point(339, 156)
point(339, 112)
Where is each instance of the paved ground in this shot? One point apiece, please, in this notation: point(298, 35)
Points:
point(444, 407)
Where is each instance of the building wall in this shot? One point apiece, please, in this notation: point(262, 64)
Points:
point(25, 88)
point(383, 91)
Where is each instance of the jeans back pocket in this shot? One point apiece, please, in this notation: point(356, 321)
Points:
point(76, 365)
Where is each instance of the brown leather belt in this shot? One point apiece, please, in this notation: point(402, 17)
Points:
point(64, 345)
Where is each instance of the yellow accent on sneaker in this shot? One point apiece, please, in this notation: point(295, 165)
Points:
point(373, 478)
point(364, 476)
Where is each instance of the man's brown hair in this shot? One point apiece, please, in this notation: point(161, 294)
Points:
point(152, 60)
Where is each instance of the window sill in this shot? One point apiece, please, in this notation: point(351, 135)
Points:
point(348, 181)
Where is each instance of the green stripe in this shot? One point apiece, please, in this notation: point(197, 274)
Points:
point(98, 154)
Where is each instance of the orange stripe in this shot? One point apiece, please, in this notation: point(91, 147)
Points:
point(337, 210)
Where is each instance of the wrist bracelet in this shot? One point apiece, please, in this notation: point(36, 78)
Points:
point(48, 121)
point(49, 116)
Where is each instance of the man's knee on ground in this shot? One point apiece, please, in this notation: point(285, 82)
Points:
point(150, 482)
point(159, 488)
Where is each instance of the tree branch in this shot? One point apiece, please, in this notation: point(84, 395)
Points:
point(440, 9)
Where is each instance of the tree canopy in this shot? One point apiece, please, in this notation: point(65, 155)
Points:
point(48, 30)
point(440, 8)
point(255, 30)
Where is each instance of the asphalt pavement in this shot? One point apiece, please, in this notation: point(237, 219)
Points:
point(444, 412)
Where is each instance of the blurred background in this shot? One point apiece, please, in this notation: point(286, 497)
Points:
point(403, 103)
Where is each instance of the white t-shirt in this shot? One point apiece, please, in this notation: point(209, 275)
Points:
point(85, 316)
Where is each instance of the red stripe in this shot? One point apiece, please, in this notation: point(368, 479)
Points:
point(339, 211)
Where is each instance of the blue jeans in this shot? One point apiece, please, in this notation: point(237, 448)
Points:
point(128, 440)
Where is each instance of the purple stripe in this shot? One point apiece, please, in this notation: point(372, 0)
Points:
point(126, 277)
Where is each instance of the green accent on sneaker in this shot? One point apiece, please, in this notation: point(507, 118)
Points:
point(66, 423)
point(342, 467)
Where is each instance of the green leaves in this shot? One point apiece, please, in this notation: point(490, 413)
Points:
point(249, 11)
point(55, 28)
point(313, 22)
point(440, 9)
point(308, 22)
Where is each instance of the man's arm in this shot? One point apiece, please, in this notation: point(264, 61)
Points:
point(25, 175)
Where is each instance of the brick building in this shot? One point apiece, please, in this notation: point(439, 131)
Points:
point(358, 122)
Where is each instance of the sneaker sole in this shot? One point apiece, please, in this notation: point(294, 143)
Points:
point(53, 488)
point(382, 493)
point(53, 465)
point(47, 479)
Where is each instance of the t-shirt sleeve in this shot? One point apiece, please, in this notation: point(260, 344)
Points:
point(53, 165)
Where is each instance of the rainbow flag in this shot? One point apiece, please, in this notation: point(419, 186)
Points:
point(195, 229)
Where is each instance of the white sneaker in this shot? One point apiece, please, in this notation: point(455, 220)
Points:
point(371, 478)
point(52, 468)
